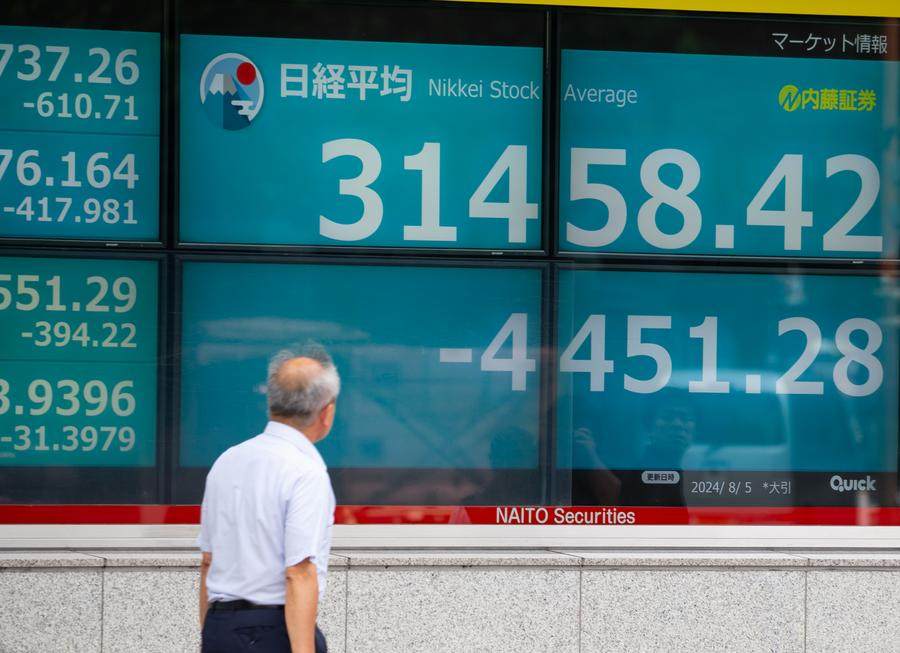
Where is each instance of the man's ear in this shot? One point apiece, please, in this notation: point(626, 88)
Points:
point(327, 414)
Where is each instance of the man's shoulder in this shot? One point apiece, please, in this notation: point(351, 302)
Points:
point(232, 450)
point(235, 454)
point(279, 451)
point(281, 458)
point(299, 464)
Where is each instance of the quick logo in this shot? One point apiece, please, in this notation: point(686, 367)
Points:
point(841, 484)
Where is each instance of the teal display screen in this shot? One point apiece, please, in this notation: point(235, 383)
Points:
point(690, 152)
point(360, 143)
point(79, 134)
point(78, 344)
point(441, 364)
point(741, 377)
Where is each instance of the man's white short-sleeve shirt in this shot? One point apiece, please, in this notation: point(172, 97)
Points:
point(268, 505)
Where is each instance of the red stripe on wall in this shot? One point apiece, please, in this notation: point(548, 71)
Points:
point(618, 515)
point(99, 514)
point(487, 515)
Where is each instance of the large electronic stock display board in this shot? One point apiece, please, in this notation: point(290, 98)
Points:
point(418, 129)
point(347, 175)
point(728, 136)
point(80, 122)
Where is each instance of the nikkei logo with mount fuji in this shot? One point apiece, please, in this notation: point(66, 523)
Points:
point(231, 91)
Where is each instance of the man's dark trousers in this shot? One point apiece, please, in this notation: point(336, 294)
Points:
point(257, 631)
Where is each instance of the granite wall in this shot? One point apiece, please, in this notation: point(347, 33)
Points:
point(492, 601)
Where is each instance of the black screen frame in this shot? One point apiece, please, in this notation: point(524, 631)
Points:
point(170, 253)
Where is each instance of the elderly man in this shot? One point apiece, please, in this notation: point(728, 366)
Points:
point(266, 520)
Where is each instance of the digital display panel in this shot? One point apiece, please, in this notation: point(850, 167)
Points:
point(728, 137)
point(78, 382)
point(79, 133)
point(315, 142)
point(440, 365)
point(729, 389)
point(404, 147)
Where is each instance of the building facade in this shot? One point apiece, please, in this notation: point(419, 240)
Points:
point(612, 290)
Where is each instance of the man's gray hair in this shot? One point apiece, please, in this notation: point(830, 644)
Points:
point(302, 398)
